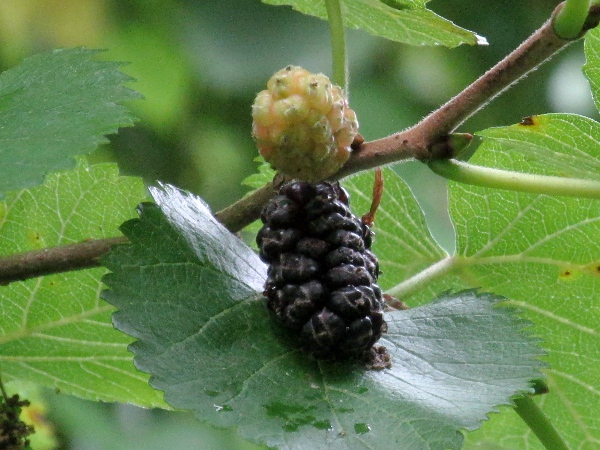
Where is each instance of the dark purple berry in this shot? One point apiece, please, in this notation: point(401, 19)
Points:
point(281, 212)
point(323, 225)
point(343, 238)
point(353, 301)
point(323, 331)
point(320, 206)
point(274, 242)
point(344, 255)
point(300, 192)
point(359, 334)
point(312, 247)
point(347, 275)
point(321, 280)
point(298, 268)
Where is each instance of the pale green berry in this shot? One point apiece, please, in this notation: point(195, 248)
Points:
point(302, 124)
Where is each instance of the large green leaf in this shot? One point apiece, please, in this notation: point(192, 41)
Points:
point(189, 292)
point(53, 106)
point(543, 253)
point(407, 22)
point(55, 330)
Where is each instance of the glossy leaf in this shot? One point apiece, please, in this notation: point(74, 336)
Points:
point(53, 106)
point(190, 293)
point(55, 330)
point(407, 21)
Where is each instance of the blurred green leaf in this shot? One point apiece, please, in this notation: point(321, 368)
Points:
point(413, 25)
point(166, 86)
point(189, 292)
point(55, 330)
point(53, 106)
point(404, 3)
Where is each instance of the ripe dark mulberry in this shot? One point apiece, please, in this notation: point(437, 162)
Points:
point(322, 276)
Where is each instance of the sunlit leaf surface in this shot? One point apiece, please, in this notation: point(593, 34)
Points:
point(55, 330)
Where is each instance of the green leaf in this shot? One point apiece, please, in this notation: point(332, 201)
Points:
point(564, 145)
point(53, 106)
point(591, 68)
point(412, 24)
point(189, 292)
point(543, 253)
point(55, 330)
point(402, 242)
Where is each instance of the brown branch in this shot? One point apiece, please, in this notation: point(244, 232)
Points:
point(427, 139)
point(247, 209)
point(424, 141)
point(37, 263)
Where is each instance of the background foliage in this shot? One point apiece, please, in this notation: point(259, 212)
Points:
point(199, 65)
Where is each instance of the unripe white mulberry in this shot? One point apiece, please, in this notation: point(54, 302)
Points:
point(302, 124)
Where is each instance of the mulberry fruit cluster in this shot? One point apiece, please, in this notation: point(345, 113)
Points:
point(302, 124)
point(322, 274)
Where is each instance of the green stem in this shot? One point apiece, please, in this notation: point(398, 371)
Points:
point(423, 278)
point(515, 181)
point(568, 22)
point(3, 391)
point(338, 44)
point(535, 419)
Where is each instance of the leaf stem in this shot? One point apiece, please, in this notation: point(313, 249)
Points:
point(569, 20)
point(338, 44)
point(423, 278)
point(535, 419)
point(515, 181)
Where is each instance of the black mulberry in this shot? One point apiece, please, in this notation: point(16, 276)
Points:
point(322, 276)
